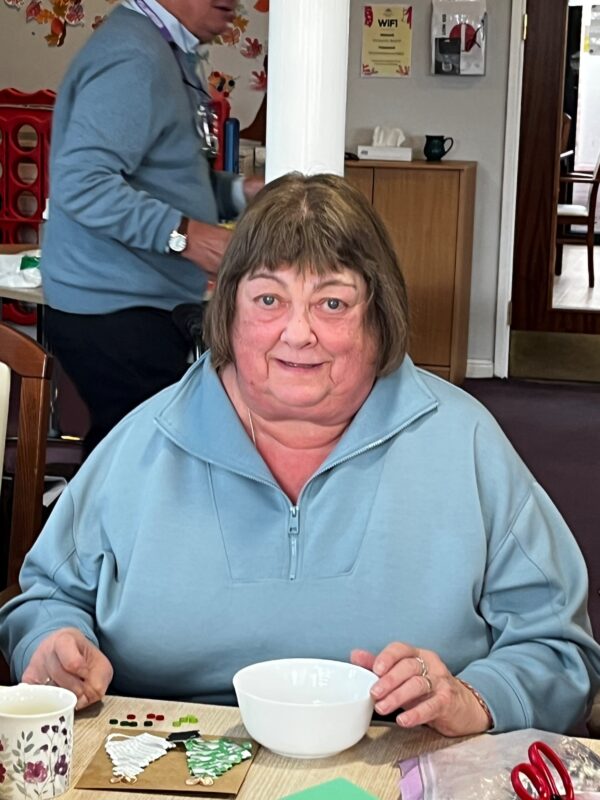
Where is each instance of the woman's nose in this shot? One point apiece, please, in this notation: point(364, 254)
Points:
point(298, 330)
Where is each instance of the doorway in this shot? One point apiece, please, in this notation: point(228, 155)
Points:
point(581, 105)
point(545, 342)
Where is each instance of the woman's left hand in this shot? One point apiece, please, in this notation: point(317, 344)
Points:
point(418, 682)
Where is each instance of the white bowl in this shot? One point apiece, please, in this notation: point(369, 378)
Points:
point(305, 707)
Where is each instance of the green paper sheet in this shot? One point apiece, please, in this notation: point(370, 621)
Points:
point(339, 789)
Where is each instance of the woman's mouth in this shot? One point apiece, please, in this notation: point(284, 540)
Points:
point(297, 365)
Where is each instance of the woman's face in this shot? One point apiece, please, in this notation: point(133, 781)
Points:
point(301, 346)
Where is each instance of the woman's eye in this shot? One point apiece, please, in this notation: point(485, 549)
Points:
point(333, 304)
point(267, 300)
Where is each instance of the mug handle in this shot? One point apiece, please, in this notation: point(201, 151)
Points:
point(450, 146)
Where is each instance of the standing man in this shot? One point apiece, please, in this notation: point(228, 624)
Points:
point(134, 205)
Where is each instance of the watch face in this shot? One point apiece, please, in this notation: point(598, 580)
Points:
point(177, 242)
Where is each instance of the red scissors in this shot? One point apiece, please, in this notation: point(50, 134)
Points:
point(540, 775)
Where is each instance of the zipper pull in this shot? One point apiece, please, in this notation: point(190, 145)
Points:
point(293, 527)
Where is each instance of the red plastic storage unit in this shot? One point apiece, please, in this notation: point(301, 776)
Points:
point(25, 122)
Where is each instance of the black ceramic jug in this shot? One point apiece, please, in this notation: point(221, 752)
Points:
point(435, 147)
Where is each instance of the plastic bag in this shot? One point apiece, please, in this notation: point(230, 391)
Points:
point(479, 769)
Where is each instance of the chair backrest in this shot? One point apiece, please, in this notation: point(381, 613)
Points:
point(565, 132)
point(594, 188)
point(592, 194)
point(33, 365)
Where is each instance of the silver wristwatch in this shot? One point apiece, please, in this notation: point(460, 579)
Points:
point(178, 237)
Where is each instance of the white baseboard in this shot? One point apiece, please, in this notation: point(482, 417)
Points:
point(480, 368)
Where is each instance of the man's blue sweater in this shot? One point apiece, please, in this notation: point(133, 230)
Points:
point(126, 164)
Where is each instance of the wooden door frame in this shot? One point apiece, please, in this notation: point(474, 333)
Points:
point(525, 276)
point(509, 190)
point(537, 183)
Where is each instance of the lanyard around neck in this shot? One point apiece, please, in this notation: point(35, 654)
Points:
point(153, 17)
point(165, 33)
point(204, 117)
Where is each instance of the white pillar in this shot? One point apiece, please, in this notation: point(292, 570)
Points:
point(308, 71)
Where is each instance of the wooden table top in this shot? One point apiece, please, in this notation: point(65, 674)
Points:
point(371, 764)
point(25, 294)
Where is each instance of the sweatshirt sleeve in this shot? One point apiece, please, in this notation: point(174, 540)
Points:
point(544, 662)
point(109, 132)
point(58, 591)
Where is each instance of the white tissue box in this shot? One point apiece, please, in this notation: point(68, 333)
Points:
point(383, 153)
point(246, 160)
point(260, 156)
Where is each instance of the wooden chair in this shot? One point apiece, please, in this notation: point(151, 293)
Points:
point(565, 132)
point(574, 214)
point(4, 402)
point(33, 365)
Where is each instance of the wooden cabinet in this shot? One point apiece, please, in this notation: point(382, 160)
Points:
point(428, 209)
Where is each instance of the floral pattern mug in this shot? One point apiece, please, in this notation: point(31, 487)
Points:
point(36, 741)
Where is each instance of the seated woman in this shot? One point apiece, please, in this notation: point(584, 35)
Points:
point(304, 490)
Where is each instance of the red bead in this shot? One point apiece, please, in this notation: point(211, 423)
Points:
point(150, 716)
point(130, 716)
point(160, 717)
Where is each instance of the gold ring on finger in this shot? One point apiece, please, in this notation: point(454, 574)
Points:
point(424, 670)
point(429, 683)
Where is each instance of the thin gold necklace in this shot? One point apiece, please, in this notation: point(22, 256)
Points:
point(252, 433)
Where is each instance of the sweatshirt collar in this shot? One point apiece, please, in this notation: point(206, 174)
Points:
point(199, 417)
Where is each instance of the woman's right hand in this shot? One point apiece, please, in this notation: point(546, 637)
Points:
point(419, 685)
point(66, 658)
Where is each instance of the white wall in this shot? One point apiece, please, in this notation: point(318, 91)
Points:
point(26, 61)
point(470, 109)
point(588, 109)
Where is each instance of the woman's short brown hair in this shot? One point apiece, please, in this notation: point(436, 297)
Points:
point(316, 223)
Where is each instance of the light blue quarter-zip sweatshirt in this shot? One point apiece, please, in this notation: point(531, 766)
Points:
point(176, 551)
